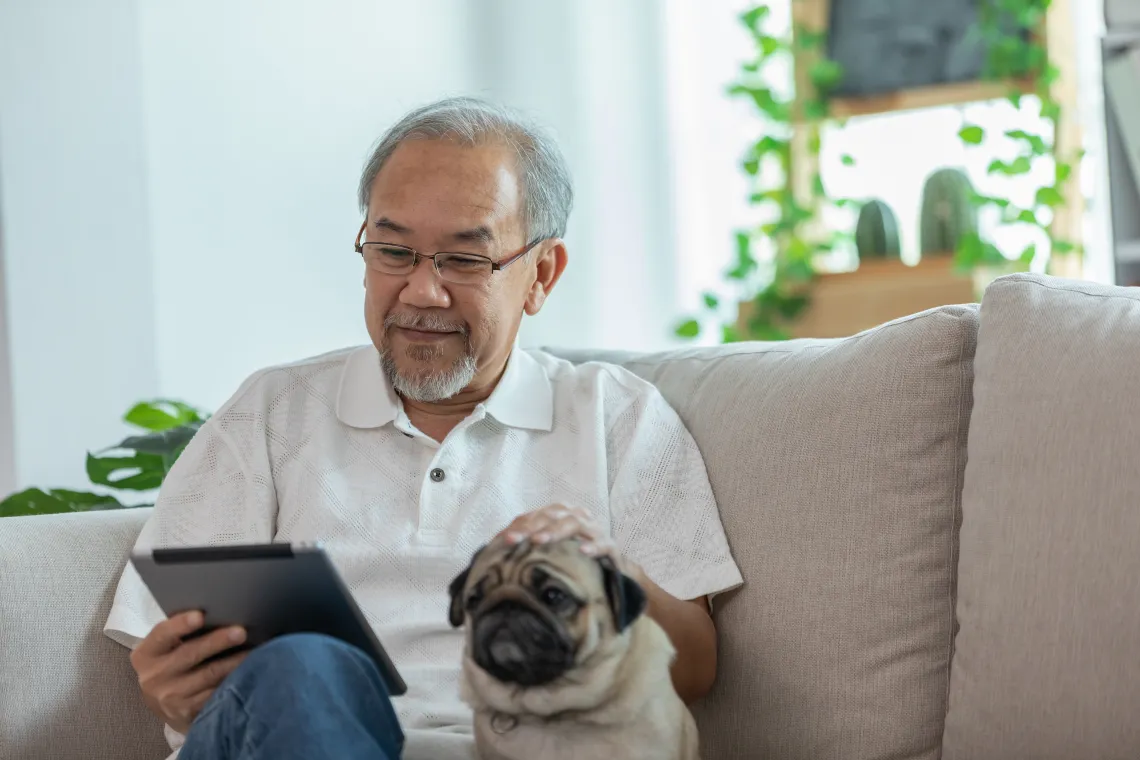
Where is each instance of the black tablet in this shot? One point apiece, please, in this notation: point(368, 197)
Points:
point(268, 589)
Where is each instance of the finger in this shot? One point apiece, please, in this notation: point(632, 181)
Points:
point(527, 525)
point(193, 653)
point(601, 547)
point(568, 527)
point(167, 635)
point(207, 677)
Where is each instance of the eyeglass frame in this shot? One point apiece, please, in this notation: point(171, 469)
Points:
point(496, 266)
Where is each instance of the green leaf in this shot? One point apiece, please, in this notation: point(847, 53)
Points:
point(1028, 217)
point(970, 250)
point(1015, 97)
point(1036, 142)
point(816, 110)
point(826, 75)
point(35, 501)
point(1064, 171)
point(1020, 166)
point(765, 100)
point(711, 300)
point(1050, 196)
point(972, 135)
point(847, 160)
point(988, 200)
point(141, 472)
point(168, 443)
point(688, 329)
point(769, 45)
point(1028, 254)
point(1063, 247)
point(754, 17)
point(729, 334)
point(161, 414)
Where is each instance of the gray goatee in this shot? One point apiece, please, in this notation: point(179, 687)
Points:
point(427, 385)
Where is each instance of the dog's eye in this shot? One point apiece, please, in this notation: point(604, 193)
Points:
point(553, 596)
point(474, 599)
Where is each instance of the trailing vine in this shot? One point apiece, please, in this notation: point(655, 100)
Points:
point(776, 286)
point(772, 267)
point(1022, 60)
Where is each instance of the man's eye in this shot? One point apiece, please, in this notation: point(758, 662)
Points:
point(465, 262)
point(395, 254)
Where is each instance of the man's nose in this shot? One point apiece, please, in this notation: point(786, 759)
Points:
point(424, 288)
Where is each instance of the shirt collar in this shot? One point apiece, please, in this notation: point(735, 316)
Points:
point(524, 397)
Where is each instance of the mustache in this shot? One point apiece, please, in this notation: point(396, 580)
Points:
point(426, 322)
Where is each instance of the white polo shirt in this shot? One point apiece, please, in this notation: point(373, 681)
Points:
point(322, 450)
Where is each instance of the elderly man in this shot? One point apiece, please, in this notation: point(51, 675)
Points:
point(404, 456)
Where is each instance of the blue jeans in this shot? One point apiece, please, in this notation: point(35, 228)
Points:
point(300, 696)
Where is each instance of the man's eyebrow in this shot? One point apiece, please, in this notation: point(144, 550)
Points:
point(480, 234)
point(384, 223)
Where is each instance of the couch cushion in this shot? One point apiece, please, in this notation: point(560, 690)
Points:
point(1048, 655)
point(66, 690)
point(837, 467)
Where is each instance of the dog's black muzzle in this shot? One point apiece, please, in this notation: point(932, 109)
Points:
point(517, 644)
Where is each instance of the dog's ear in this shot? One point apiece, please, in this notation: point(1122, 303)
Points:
point(456, 613)
point(626, 596)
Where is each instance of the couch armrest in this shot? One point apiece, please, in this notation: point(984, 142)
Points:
point(66, 690)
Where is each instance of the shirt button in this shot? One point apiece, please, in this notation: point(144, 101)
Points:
point(437, 475)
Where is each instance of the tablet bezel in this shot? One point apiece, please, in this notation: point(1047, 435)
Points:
point(173, 576)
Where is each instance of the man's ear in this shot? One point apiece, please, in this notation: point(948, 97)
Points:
point(626, 596)
point(550, 263)
point(456, 612)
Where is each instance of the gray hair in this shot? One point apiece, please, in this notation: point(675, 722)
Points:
point(548, 194)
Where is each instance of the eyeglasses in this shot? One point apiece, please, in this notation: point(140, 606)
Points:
point(456, 268)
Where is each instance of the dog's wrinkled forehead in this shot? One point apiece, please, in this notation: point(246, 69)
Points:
point(502, 563)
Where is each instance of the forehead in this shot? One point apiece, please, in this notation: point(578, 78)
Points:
point(560, 560)
point(430, 184)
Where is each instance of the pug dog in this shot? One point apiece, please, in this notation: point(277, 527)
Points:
point(560, 660)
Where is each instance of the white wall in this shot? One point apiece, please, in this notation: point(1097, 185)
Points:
point(593, 71)
point(259, 116)
point(209, 151)
point(76, 239)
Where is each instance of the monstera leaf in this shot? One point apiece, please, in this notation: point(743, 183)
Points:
point(34, 501)
point(137, 463)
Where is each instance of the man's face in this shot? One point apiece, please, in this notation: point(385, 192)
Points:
point(436, 338)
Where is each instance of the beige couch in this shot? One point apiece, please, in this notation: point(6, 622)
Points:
point(959, 487)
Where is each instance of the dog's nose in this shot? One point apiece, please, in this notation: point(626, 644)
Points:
point(515, 644)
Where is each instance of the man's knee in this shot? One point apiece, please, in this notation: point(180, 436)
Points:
point(304, 657)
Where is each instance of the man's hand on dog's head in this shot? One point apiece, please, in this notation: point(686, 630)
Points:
point(558, 522)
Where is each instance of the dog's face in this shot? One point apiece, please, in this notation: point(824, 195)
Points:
point(536, 611)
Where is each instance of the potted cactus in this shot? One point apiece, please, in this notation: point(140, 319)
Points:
point(877, 232)
point(948, 212)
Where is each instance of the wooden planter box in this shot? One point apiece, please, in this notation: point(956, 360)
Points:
point(846, 303)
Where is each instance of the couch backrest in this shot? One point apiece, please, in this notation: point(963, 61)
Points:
point(837, 466)
point(1048, 656)
point(66, 690)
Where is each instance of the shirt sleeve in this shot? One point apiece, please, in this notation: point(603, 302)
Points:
point(220, 491)
point(661, 503)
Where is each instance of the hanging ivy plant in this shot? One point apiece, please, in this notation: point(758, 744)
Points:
point(776, 287)
point(773, 290)
point(1017, 55)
